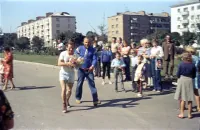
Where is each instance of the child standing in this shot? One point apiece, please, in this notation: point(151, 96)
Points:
point(134, 60)
point(118, 65)
point(140, 75)
point(106, 57)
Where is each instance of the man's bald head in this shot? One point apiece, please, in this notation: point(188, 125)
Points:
point(86, 42)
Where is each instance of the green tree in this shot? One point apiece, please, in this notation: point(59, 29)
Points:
point(37, 44)
point(188, 38)
point(78, 38)
point(176, 38)
point(22, 43)
point(9, 39)
point(91, 35)
point(159, 35)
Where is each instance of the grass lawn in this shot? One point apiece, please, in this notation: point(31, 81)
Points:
point(45, 59)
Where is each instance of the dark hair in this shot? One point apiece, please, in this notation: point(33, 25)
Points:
point(70, 42)
point(7, 49)
point(154, 40)
point(117, 53)
point(114, 38)
point(140, 56)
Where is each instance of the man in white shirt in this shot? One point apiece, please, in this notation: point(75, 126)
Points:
point(114, 47)
point(155, 55)
point(60, 46)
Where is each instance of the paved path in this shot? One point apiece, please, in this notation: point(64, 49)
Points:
point(37, 105)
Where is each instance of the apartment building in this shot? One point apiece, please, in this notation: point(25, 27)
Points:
point(47, 27)
point(185, 16)
point(133, 26)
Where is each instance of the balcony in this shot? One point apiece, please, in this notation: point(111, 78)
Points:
point(184, 29)
point(185, 13)
point(132, 27)
point(134, 21)
point(134, 34)
point(185, 21)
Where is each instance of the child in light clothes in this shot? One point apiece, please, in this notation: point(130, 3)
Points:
point(118, 65)
point(140, 75)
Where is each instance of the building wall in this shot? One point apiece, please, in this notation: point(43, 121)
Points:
point(47, 28)
point(136, 27)
point(185, 18)
point(115, 27)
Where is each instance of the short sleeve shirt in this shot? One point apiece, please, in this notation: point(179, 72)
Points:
point(65, 57)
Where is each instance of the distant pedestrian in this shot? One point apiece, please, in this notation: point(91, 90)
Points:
point(87, 52)
point(106, 57)
point(118, 65)
point(60, 46)
point(125, 51)
point(140, 75)
point(97, 69)
point(66, 75)
point(156, 55)
point(185, 91)
point(8, 68)
point(134, 62)
point(169, 52)
point(114, 47)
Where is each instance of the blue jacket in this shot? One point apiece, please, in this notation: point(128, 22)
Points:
point(106, 56)
point(91, 57)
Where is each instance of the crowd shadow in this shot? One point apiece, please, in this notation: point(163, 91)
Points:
point(33, 87)
point(120, 103)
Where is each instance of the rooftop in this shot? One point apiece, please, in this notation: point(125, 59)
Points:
point(163, 14)
point(187, 2)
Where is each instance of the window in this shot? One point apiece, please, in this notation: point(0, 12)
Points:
point(178, 26)
point(179, 10)
point(178, 18)
point(57, 19)
point(112, 26)
point(198, 16)
point(116, 19)
point(68, 25)
point(185, 9)
point(192, 8)
point(113, 32)
point(57, 25)
point(117, 32)
point(192, 26)
point(192, 17)
point(116, 25)
point(58, 31)
point(68, 19)
point(198, 7)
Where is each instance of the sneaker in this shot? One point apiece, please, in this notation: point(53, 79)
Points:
point(158, 91)
point(174, 83)
point(139, 95)
point(171, 77)
point(153, 90)
point(97, 103)
point(110, 82)
point(68, 106)
point(103, 83)
point(78, 101)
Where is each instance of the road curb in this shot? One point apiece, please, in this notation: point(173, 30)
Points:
point(39, 64)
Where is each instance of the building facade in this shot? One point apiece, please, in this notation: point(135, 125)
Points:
point(185, 16)
point(47, 27)
point(133, 26)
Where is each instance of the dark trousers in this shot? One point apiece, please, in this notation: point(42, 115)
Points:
point(118, 73)
point(98, 68)
point(106, 68)
point(169, 63)
point(134, 84)
point(127, 68)
point(140, 86)
point(156, 75)
point(82, 74)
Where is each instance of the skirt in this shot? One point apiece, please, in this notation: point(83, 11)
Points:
point(184, 90)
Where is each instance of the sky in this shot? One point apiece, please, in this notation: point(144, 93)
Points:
point(89, 14)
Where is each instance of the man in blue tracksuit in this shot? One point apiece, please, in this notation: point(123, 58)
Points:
point(86, 70)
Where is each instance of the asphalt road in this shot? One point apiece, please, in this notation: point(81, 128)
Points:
point(37, 105)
